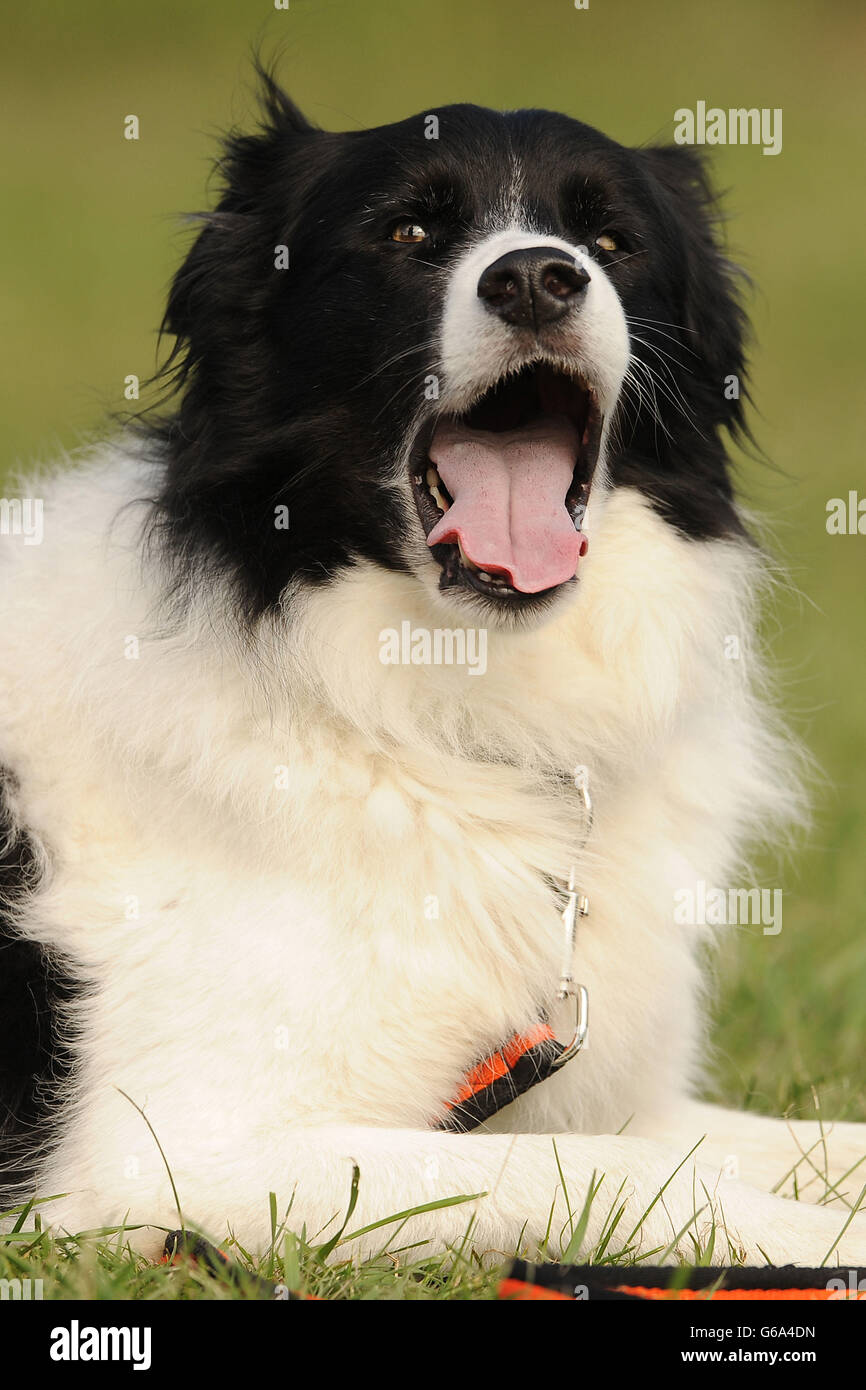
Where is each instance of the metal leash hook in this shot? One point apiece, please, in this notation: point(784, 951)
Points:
point(576, 906)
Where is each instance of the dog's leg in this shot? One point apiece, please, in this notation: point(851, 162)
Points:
point(820, 1161)
point(521, 1178)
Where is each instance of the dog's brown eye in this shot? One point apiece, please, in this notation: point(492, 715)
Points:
point(408, 232)
point(606, 242)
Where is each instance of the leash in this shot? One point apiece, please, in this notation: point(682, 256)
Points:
point(530, 1058)
point(523, 1282)
point(682, 1283)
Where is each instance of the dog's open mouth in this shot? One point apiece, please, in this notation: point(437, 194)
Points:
point(501, 491)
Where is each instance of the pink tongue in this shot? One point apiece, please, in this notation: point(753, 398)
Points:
point(509, 493)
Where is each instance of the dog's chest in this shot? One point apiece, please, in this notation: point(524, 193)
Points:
point(359, 983)
point(354, 974)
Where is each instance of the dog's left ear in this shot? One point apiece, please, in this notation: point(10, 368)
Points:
point(708, 285)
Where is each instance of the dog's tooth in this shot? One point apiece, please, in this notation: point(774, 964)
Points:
point(482, 574)
point(470, 564)
point(433, 483)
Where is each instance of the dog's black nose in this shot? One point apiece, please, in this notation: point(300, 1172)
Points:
point(532, 287)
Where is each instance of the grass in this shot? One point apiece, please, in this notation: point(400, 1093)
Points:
point(103, 1265)
point(88, 228)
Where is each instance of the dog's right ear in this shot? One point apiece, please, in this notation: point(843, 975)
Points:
point(280, 111)
point(283, 138)
point(263, 177)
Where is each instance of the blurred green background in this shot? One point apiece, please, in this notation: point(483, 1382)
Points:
point(91, 241)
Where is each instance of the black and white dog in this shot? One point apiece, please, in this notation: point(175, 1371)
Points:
point(309, 683)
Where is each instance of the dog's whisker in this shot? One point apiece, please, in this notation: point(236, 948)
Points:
point(646, 327)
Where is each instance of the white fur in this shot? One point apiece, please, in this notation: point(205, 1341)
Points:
point(478, 347)
point(283, 1003)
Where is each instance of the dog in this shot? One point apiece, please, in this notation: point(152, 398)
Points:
point(366, 705)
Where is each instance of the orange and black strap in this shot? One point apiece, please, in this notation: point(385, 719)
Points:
point(789, 1283)
point(526, 1282)
point(187, 1247)
point(522, 1063)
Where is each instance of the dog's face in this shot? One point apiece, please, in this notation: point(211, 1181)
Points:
point(437, 344)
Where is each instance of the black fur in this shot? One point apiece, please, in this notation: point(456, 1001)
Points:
point(36, 1061)
point(298, 386)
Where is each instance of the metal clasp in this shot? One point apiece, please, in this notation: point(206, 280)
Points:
point(576, 906)
point(581, 1027)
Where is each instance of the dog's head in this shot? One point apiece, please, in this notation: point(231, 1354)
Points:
point(436, 345)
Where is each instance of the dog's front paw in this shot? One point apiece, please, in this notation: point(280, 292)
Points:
point(799, 1233)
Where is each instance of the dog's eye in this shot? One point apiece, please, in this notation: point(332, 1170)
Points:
point(606, 242)
point(408, 232)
